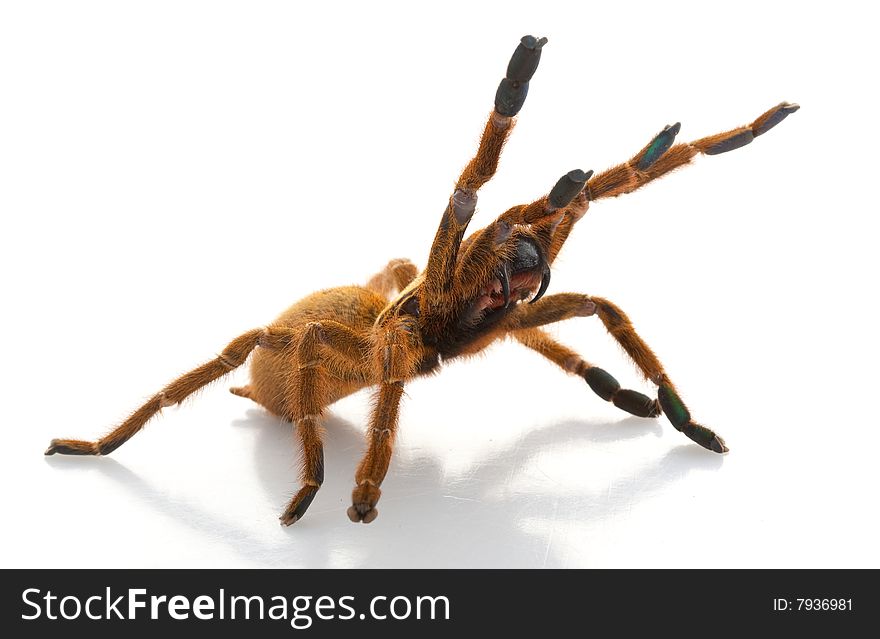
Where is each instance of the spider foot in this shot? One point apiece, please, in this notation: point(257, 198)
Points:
point(680, 418)
point(724, 142)
point(298, 505)
point(705, 437)
point(567, 188)
point(364, 499)
point(512, 91)
point(773, 117)
point(72, 447)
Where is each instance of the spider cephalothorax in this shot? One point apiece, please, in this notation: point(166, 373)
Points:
point(473, 291)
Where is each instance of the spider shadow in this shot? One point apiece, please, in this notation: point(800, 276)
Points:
point(429, 518)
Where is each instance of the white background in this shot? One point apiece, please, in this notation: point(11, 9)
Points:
point(175, 173)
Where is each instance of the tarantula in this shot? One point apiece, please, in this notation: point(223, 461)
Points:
point(405, 323)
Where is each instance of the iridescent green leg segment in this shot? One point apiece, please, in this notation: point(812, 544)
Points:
point(608, 388)
point(657, 147)
point(680, 418)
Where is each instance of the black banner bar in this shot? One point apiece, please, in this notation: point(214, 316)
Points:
point(330, 602)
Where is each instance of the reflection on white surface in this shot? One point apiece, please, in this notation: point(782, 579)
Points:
point(561, 480)
point(507, 510)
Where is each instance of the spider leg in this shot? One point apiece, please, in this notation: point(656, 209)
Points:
point(307, 402)
point(562, 306)
point(659, 157)
point(509, 100)
point(380, 445)
point(396, 356)
point(317, 351)
point(392, 279)
point(600, 381)
point(233, 356)
point(339, 339)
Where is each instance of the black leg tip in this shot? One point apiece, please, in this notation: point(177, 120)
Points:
point(524, 61)
point(568, 187)
point(717, 445)
point(775, 117)
point(292, 515)
point(532, 43)
point(705, 437)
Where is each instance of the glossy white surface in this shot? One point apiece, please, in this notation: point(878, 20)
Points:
point(177, 174)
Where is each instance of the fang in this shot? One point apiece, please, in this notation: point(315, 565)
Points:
point(504, 278)
point(545, 282)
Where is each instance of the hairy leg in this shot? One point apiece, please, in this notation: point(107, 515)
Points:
point(509, 100)
point(562, 306)
point(233, 356)
point(395, 358)
point(599, 380)
point(307, 401)
point(658, 158)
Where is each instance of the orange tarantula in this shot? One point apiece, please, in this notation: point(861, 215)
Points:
point(405, 323)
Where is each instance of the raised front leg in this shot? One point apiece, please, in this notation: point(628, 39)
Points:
point(656, 159)
point(660, 156)
point(509, 100)
point(562, 306)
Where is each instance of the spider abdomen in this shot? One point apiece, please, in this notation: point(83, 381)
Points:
point(275, 372)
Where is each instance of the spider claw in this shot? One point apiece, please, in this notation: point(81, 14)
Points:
point(545, 282)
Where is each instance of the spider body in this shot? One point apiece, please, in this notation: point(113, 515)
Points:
point(404, 323)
